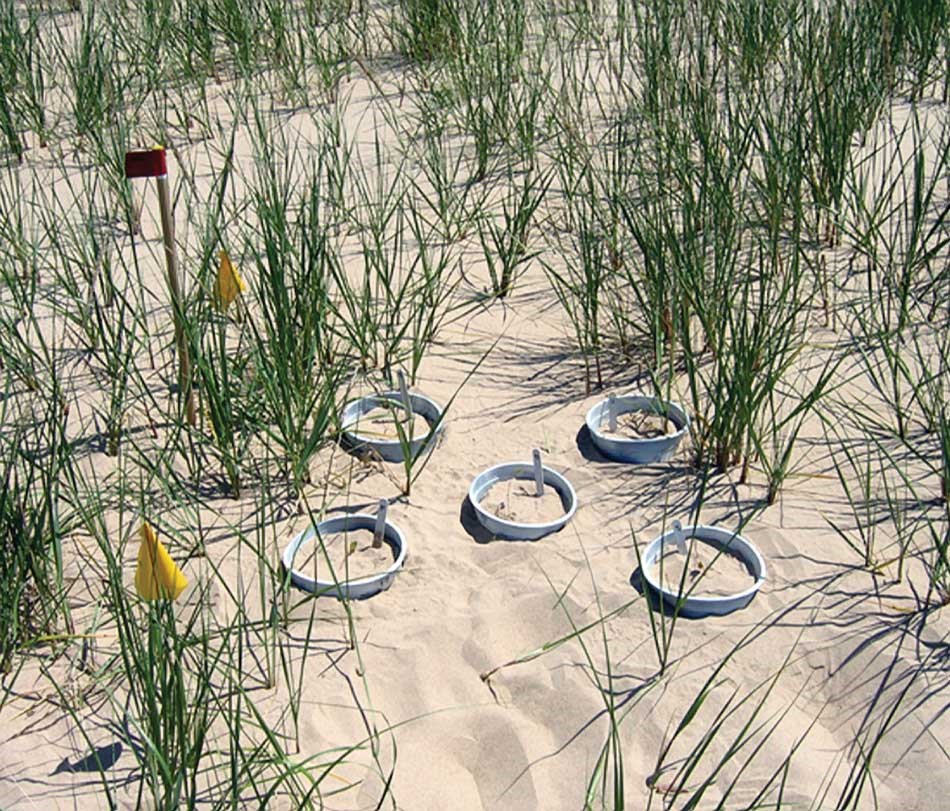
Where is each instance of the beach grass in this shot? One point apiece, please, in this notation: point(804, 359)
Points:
point(739, 206)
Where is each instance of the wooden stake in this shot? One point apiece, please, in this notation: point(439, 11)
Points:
point(538, 472)
point(404, 394)
point(380, 530)
point(679, 538)
point(174, 289)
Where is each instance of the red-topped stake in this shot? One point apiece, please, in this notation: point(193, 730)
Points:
point(145, 163)
point(151, 163)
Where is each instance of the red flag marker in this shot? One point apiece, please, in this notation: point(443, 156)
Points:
point(145, 163)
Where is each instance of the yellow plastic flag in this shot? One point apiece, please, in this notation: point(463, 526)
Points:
point(229, 284)
point(156, 576)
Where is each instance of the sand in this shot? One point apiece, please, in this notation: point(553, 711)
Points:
point(351, 554)
point(380, 424)
point(710, 571)
point(517, 500)
point(639, 425)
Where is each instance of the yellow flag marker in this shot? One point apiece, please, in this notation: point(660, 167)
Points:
point(156, 576)
point(229, 284)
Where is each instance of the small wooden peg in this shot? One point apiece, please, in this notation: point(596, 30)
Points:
point(380, 530)
point(538, 472)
